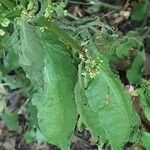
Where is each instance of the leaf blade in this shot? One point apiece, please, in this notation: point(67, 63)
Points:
point(107, 99)
point(56, 107)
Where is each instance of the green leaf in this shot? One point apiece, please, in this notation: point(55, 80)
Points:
point(39, 137)
point(125, 45)
point(139, 11)
point(87, 115)
point(107, 99)
point(29, 136)
point(80, 125)
point(135, 73)
point(11, 120)
point(33, 135)
point(17, 81)
point(4, 40)
point(146, 140)
point(56, 107)
point(144, 100)
point(11, 61)
point(32, 110)
point(31, 52)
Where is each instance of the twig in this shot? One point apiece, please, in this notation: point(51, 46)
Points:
point(8, 4)
point(100, 4)
point(60, 33)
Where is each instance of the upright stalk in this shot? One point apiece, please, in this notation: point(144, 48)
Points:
point(60, 33)
point(9, 4)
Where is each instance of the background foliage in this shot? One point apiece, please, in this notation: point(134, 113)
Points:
point(65, 68)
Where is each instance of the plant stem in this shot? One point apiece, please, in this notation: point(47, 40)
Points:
point(100, 4)
point(23, 3)
point(60, 33)
point(13, 14)
point(8, 4)
point(108, 6)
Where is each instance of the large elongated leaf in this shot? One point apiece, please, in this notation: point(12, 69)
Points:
point(55, 104)
point(88, 116)
point(107, 99)
point(31, 52)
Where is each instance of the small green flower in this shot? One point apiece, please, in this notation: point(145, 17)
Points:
point(46, 14)
point(2, 32)
point(18, 22)
point(5, 22)
point(42, 29)
point(30, 5)
point(65, 12)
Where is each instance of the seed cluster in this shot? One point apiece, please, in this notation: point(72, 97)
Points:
point(92, 66)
